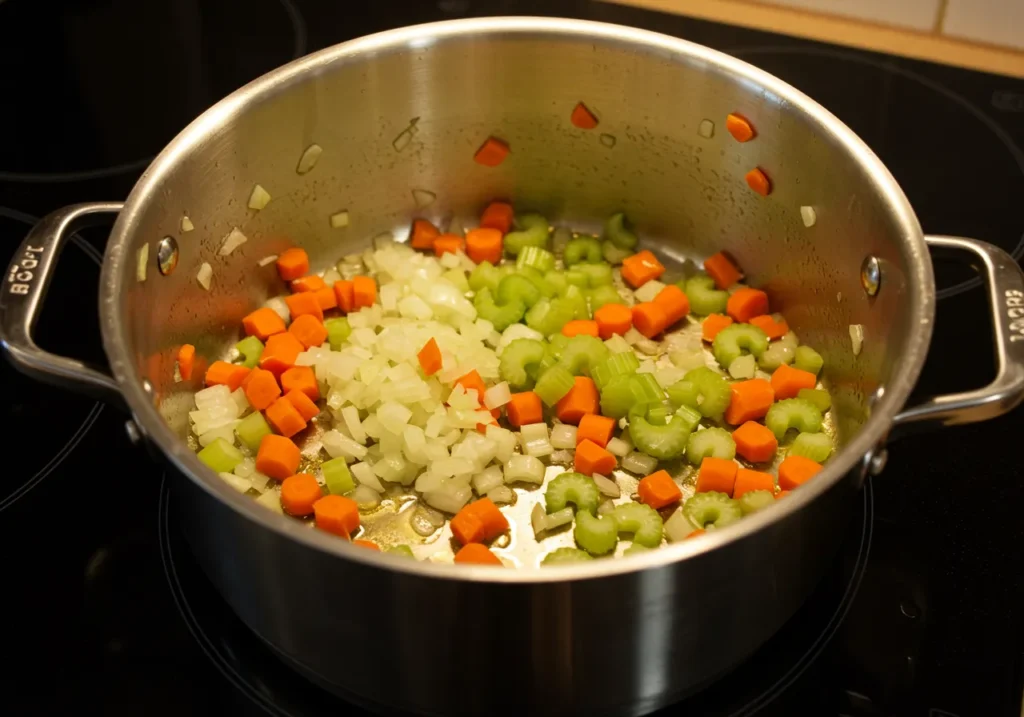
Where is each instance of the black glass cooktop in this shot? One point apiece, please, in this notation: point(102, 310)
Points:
point(106, 611)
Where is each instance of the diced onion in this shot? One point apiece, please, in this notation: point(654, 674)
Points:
point(563, 435)
point(339, 219)
point(686, 360)
point(706, 129)
point(857, 337)
point(617, 345)
point(527, 469)
point(186, 224)
point(279, 307)
point(269, 259)
point(678, 526)
point(258, 198)
point(234, 239)
point(562, 457)
point(648, 291)
point(489, 478)
point(309, 158)
point(607, 486)
point(497, 396)
point(619, 447)
point(204, 275)
point(501, 494)
point(142, 262)
point(808, 215)
point(423, 198)
point(271, 500)
point(449, 499)
point(365, 496)
point(538, 519)
point(639, 463)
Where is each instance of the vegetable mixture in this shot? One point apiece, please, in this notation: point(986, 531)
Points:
point(455, 377)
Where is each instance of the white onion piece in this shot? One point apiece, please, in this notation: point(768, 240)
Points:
point(647, 346)
point(142, 262)
point(648, 291)
point(617, 344)
point(668, 375)
point(857, 337)
point(269, 259)
point(639, 463)
point(449, 500)
point(632, 336)
point(706, 129)
point(234, 239)
point(562, 457)
point(186, 224)
point(606, 485)
point(423, 198)
point(212, 396)
point(678, 526)
point(559, 518)
point(271, 500)
point(365, 496)
point(497, 396)
point(501, 494)
point(563, 435)
point(488, 479)
point(339, 445)
point(204, 275)
point(309, 158)
point(619, 447)
point(258, 198)
point(339, 220)
point(504, 439)
point(279, 307)
point(538, 519)
point(350, 414)
point(743, 367)
point(809, 216)
point(527, 469)
point(245, 469)
point(686, 360)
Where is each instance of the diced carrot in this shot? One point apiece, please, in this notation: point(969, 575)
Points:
point(280, 353)
point(759, 182)
point(449, 244)
point(591, 459)
point(794, 471)
point(277, 457)
point(674, 302)
point(649, 319)
point(326, 298)
point(302, 403)
point(284, 417)
point(422, 234)
point(582, 117)
point(497, 215)
point(787, 381)
point(746, 303)
point(695, 534)
point(337, 514)
point(472, 382)
point(492, 152)
point(596, 428)
point(658, 490)
point(524, 408)
point(774, 329)
point(640, 268)
point(300, 493)
point(750, 401)
point(755, 442)
point(186, 361)
point(293, 263)
point(368, 544)
point(364, 291)
point(222, 372)
point(430, 358)
point(476, 553)
point(713, 324)
point(581, 326)
point(748, 480)
point(302, 379)
point(739, 128)
point(718, 474)
point(303, 304)
point(263, 323)
point(721, 268)
point(613, 319)
point(484, 244)
point(261, 389)
point(344, 293)
point(478, 522)
point(310, 282)
point(309, 330)
point(581, 400)
point(781, 494)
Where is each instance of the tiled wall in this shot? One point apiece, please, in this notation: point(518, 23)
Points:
point(997, 22)
point(912, 14)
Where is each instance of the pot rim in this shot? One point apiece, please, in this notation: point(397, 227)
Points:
point(921, 298)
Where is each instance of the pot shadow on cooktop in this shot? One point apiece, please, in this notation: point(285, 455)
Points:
point(788, 673)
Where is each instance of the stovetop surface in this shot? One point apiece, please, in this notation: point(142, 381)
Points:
point(106, 610)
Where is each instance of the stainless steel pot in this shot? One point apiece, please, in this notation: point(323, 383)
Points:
point(609, 637)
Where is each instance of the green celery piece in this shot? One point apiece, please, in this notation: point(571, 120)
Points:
point(807, 359)
point(549, 316)
point(691, 417)
point(516, 286)
point(601, 295)
point(221, 456)
point(517, 360)
point(615, 365)
point(642, 521)
point(736, 339)
point(636, 548)
point(613, 254)
point(618, 231)
point(557, 281)
point(818, 396)
point(597, 536)
point(704, 298)
point(565, 555)
point(657, 414)
point(684, 393)
point(710, 443)
point(553, 384)
point(337, 476)
point(252, 429)
point(578, 278)
point(533, 231)
point(663, 442)
point(755, 500)
point(557, 344)
point(816, 446)
point(251, 349)
point(599, 274)
point(793, 413)
point(712, 508)
point(578, 300)
point(501, 315)
point(582, 249)
point(404, 550)
point(624, 392)
point(338, 331)
point(485, 276)
point(535, 257)
point(582, 353)
point(458, 278)
point(537, 279)
point(713, 390)
point(778, 353)
point(575, 488)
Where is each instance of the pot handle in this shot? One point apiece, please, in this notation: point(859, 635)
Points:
point(1005, 282)
point(28, 279)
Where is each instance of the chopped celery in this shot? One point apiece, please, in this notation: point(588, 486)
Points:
point(557, 344)
point(684, 393)
point(533, 231)
point(582, 354)
point(733, 340)
point(535, 257)
point(635, 548)
point(777, 354)
point(615, 365)
point(754, 500)
point(582, 249)
point(536, 278)
point(557, 281)
point(712, 509)
point(714, 392)
point(548, 316)
point(485, 276)
point(221, 456)
point(704, 298)
point(565, 555)
point(816, 446)
point(516, 361)
point(793, 413)
point(622, 393)
point(613, 254)
point(502, 315)
point(553, 384)
point(404, 550)
point(337, 476)
point(642, 521)
point(577, 278)
point(710, 443)
point(655, 413)
point(338, 331)
point(575, 488)
point(516, 286)
point(458, 278)
point(618, 232)
point(578, 300)
point(819, 397)
point(252, 429)
point(807, 359)
point(596, 535)
point(691, 417)
point(664, 441)
point(251, 348)
point(599, 274)
point(601, 295)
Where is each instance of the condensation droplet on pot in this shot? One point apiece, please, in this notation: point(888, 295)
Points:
point(608, 140)
point(871, 275)
point(167, 255)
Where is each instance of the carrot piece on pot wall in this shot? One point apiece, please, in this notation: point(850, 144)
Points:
point(746, 303)
point(582, 117)
point(722, 269)
point(492, 152)
point(368, 544)
point(759, 182)
point(484, 244)
point(497, 215)
point(739, 128)
point(422, 234)
point(186, 361)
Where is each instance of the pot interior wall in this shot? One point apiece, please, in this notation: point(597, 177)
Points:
point(685, 193)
